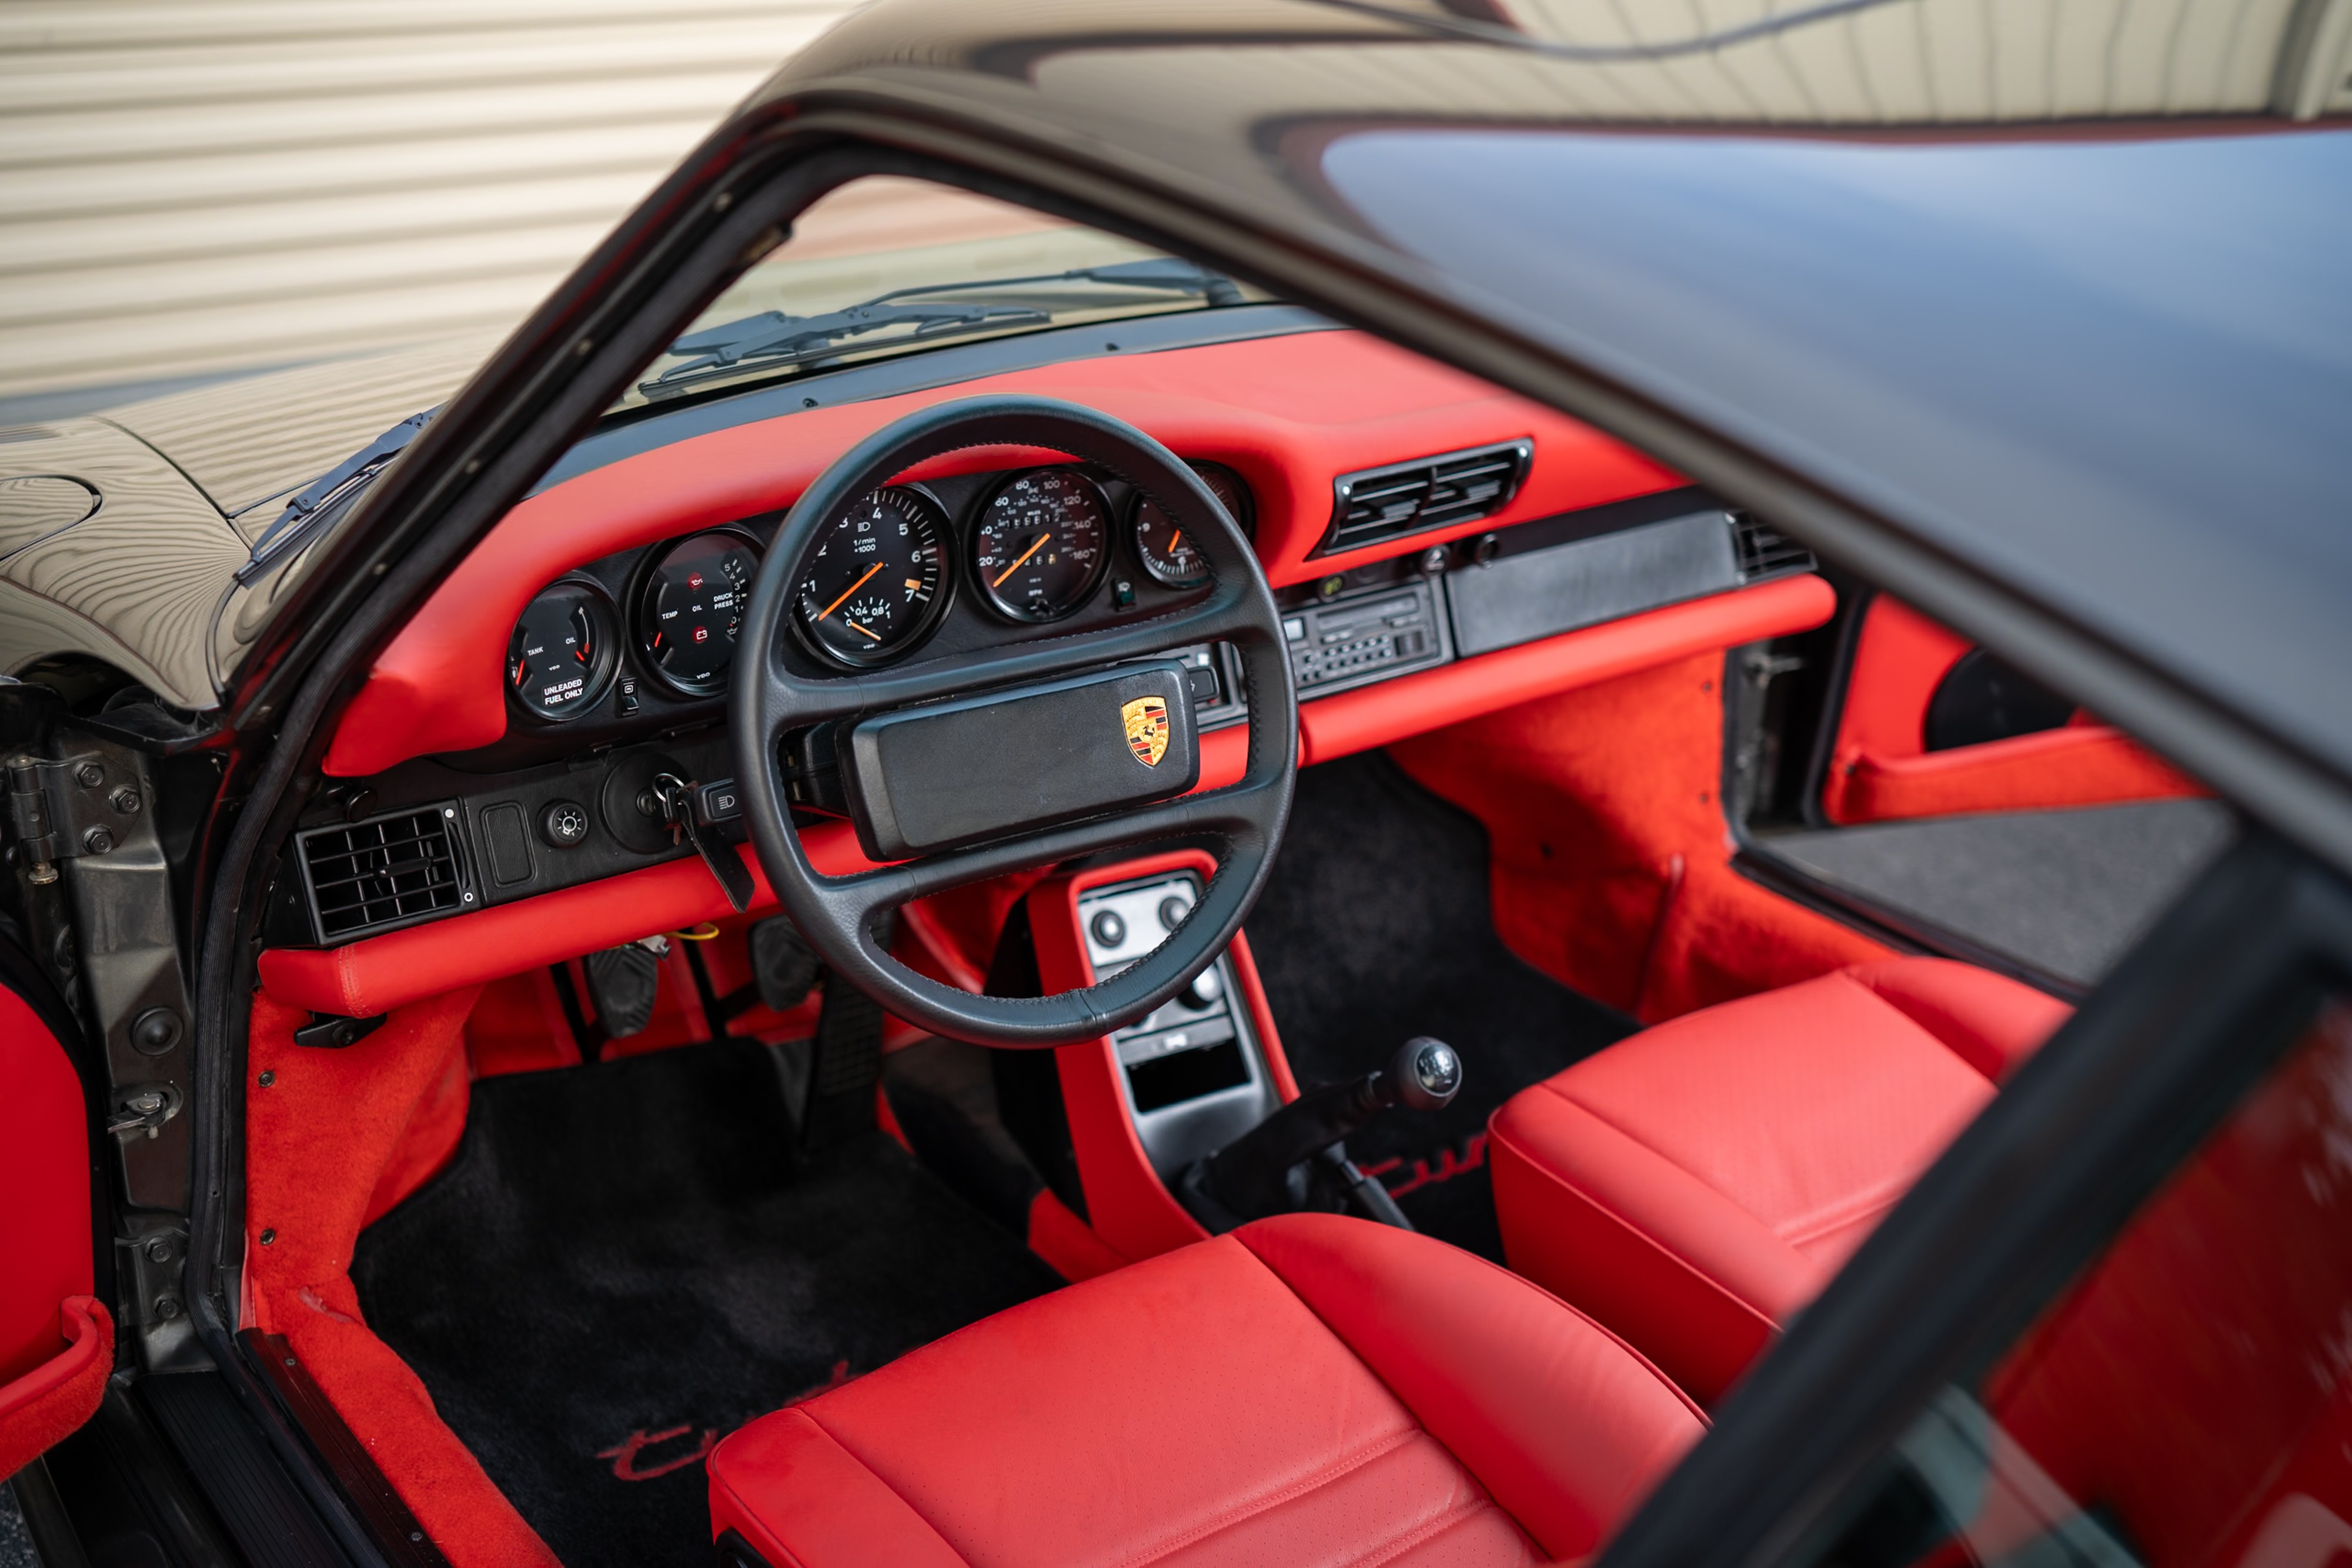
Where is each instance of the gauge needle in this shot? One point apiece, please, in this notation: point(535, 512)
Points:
point(854, 626)
point(1009, 570)
point(850, 589)
point(1175, 539)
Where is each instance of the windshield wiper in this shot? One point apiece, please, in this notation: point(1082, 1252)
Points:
point(773, 339)
point(325, 498)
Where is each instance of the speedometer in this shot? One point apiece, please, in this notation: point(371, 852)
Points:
point(875, 582)
point(1042, 543)
point(690, 606)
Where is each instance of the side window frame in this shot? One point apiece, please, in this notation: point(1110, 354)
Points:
point(2029, 1195)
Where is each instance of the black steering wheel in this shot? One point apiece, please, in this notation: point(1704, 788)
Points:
point(1037, 687)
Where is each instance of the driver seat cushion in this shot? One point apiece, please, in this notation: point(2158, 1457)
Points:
point(1693, 1185)
point(1308, 1388)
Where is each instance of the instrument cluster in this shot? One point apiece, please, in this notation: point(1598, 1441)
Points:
point(1021, 549)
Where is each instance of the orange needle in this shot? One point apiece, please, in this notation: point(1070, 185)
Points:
point(1172, 540)
point(1009, 570)
point(854, 626)
point(850, 589)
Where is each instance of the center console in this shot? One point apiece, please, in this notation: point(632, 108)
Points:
point(1193, 1074)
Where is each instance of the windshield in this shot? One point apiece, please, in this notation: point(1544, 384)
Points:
point(885, 267)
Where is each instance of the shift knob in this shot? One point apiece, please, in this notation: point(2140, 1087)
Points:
point(1424, 1075)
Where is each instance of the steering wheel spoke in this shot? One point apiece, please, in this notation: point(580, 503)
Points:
point(839, 915)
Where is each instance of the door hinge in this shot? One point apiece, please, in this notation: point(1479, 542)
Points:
point(62, 808)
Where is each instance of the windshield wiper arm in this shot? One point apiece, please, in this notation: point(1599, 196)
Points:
point(773, 339)
point(310, 511)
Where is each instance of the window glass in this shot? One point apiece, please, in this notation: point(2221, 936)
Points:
point(2187, 1400)
point(886, 266)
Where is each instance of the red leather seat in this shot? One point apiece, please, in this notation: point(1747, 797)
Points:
point(1307, 1389)
point(1695, 1185)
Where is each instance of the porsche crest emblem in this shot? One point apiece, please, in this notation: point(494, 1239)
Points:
point(1147, 729)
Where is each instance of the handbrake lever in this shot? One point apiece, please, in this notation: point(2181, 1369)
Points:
point(674, 796)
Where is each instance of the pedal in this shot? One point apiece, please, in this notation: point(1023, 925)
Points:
point(621, 982)
point(676, 797)
point(783, 964)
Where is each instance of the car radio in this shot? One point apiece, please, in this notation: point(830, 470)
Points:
point(1357, 634)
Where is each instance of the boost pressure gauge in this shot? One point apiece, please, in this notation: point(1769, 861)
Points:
point(563, 650)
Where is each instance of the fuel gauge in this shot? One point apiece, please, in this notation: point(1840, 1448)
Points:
point(565, 649)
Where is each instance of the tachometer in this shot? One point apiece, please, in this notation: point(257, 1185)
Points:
point(691, 605)
point(1166, 552)
point(565, 649)
point(875, 582)
point(1042, 543)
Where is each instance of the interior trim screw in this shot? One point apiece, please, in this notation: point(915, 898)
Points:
point(267, 1236)
point(267, 1078)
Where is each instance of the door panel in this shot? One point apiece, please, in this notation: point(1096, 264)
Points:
point(57, 1344)
point(1935, 726)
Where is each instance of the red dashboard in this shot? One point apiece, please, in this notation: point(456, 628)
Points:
point(1289, 414)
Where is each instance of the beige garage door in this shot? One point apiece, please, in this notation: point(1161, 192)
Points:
point(194, 186)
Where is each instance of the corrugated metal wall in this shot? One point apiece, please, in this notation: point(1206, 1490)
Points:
point(192, 186)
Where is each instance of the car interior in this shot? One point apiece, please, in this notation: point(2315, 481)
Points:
point(1641, 905)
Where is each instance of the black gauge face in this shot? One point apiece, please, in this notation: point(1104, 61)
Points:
point(692, 605)
point(1042, 543)
point(876, 580)
point(1166, 551)
point(563, 650)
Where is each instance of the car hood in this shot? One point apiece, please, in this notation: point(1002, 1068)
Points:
point(122, 533)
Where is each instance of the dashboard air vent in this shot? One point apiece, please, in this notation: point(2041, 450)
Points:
point(388, 871)
point(1765, 551)
point(1377, 503)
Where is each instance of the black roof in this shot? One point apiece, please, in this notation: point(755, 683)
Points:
point(2067, 309)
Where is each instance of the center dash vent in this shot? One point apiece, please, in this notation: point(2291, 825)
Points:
point(386, 871)
point(1376, 504)
point(1765, 551)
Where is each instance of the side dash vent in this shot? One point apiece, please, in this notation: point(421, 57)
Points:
point(1377, 503)
point(1765, 551)
point(383, 873)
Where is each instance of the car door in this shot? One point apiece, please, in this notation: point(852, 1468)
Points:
point(57, 1340)
point(1932, 725)
point(1971, 810)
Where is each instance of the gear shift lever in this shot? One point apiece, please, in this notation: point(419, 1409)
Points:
point(1250, 1175)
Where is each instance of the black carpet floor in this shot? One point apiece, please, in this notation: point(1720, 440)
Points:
point(1376, 926)
point(623, 1264)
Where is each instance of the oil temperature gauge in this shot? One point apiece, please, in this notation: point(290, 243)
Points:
point(691, 604)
